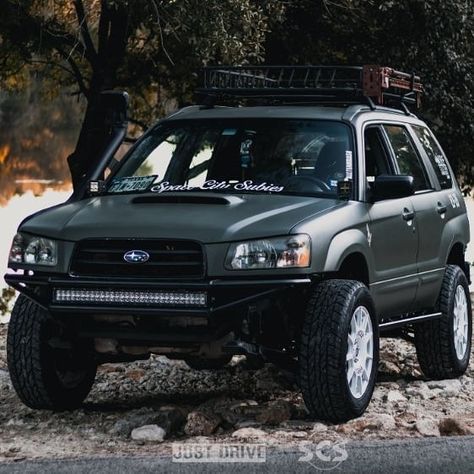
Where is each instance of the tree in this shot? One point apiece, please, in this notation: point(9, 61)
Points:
point(150, 47)
point(434, 38)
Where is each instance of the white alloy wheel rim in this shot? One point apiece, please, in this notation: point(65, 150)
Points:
point(360, 352)
point(460, 322)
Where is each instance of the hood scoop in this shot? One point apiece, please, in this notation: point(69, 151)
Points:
point(186, 199)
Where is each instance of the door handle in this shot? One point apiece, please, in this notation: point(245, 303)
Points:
point(441, 208)
point(408, 215)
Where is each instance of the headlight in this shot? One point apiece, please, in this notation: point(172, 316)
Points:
point(33, 250)
point(293, 251)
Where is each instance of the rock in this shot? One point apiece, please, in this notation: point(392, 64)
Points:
point(121, 427)
point(200, 423)
point(269, 379)
point(290, 434)
point(420, 390)
point(5, 382)
point(446, 388)
point(406, 420)
point(395, 396)
point(237, 412)
point(378, 393)
point(449, 384)
point(299, 425)
point(275, 412)
point(170, 418)
point(245, 433)
point(246, 424)
point(319, 428)
point(454, 427)
point(385, 421)
point(427, 427)
point(14, 422)
point(387, 366)
point(149, 433)
point(135, 374)
point(375, 422)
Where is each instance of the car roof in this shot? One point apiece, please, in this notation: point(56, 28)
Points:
point(347, 114)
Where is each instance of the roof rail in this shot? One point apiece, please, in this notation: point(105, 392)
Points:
point(370, 84)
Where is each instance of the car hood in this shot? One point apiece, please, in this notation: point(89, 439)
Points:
point(205, 217)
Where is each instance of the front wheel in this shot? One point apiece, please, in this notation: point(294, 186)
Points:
point(443, 345)
point(339, 351)
point(42, 375)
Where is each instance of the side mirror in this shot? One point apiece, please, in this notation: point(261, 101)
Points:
point(392, 187)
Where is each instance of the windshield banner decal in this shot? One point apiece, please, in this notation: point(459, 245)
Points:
point(212, 185)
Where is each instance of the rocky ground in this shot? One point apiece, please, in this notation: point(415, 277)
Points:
point(141, 407)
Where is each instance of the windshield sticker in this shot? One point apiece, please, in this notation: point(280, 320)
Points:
point(131, 184)
point(349, 164)
point(213, 185)
point(229, 131)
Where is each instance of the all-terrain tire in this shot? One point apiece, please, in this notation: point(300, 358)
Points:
point(199, 363)
point(324, 348)
point(42, 376)
point(434, 340)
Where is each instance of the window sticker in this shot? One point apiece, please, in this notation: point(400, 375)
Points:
point(348, 164)
point(443, 168)
point(229, 131)
point(129, 184)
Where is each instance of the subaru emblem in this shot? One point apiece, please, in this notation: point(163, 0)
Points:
point(136, 256)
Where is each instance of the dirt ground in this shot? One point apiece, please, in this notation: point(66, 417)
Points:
point(232, 404)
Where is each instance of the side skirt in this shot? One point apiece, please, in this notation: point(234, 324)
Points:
point(404, 320)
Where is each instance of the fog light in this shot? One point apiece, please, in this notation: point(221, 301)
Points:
point(158, 298)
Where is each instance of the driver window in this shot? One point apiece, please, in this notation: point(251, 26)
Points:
point(376, 158)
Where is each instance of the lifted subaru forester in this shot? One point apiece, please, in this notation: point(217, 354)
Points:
point(294, 216)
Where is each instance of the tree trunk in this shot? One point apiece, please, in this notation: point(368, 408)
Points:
point(95, 129)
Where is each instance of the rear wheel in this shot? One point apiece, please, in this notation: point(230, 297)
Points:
point(339, 351)
point(43, 375)
point(443, 345)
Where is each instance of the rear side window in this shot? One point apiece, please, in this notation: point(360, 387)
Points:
point(435, 156)
point(409, 163)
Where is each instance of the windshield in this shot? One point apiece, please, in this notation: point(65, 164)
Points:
point(307, 157)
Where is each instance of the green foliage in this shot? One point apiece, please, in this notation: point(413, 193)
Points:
point(153, 48)
point(434, 38)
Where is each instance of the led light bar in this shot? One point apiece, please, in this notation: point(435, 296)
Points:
point(129, 297)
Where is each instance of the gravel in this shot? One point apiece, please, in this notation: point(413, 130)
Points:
point(142, 407)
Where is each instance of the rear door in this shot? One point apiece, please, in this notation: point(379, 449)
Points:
point(430, 211)
point(446, 205)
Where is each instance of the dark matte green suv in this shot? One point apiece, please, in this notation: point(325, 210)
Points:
point(294, 229)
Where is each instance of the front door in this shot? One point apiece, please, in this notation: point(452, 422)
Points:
point(392, 235)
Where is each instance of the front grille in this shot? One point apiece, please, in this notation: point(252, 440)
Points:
point(167, 259)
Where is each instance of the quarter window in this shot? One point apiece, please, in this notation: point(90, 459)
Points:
point(435, 156)
point(408, 161)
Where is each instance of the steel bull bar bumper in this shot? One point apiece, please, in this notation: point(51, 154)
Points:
point(72, 295)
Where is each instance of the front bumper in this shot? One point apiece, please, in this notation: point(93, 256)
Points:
point(219, 294)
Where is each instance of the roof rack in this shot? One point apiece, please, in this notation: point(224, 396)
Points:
point(370, 84)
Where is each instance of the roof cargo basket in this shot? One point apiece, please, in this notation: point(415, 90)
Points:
point(370, 84)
